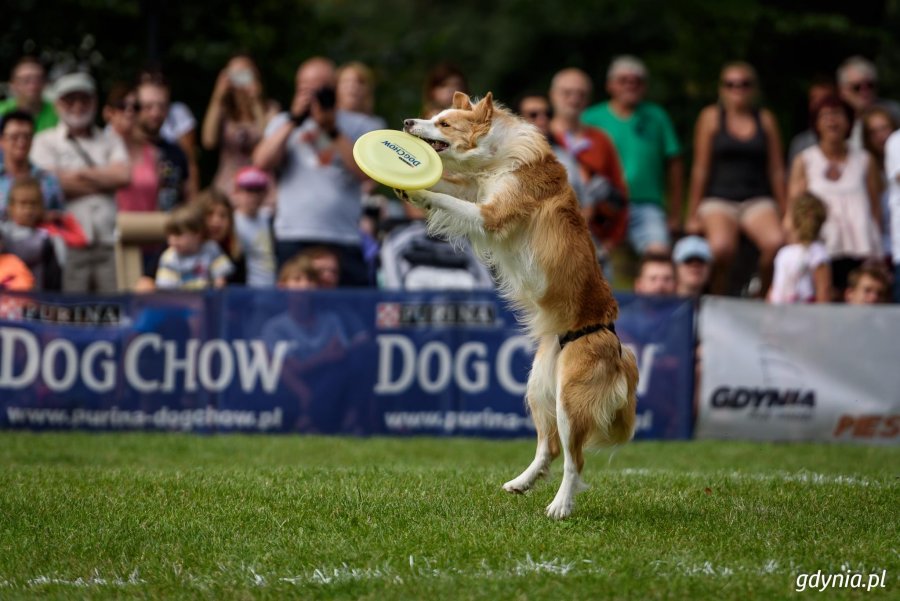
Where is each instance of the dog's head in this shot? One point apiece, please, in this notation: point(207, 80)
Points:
point(457, 133)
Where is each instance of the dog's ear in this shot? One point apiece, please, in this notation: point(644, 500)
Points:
point(484, 110)
point(461, 101)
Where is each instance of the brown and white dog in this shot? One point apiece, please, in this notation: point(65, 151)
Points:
point(505, 191)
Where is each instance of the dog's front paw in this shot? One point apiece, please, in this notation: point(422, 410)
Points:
point(418, 198)
point(517, 486)
point(560, 508)
point(401, 194)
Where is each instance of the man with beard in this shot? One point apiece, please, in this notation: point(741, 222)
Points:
point(171, 162)
point(90, 166)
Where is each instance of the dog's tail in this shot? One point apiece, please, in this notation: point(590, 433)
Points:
point(615, 415)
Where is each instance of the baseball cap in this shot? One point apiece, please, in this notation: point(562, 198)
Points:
point(74, 82)
point(691, 247)
point(251, 178)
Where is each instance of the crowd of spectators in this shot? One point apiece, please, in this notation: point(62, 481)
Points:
point(287, 205)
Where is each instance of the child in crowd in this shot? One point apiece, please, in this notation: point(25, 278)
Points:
point(23, 237)
point(803, 268)
point(219, 216)
point(299, 273)
point(868, 284)
point(326, 264)
point(192, 261)
point(253, 225)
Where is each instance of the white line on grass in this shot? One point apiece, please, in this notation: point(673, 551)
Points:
point(94, 580)
point(668, 568)
point(800, 477)
point(420, 568)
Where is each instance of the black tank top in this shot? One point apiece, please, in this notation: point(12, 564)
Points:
point(739, 168)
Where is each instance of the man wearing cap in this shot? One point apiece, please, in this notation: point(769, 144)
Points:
point(650, 153)
point(26, 84)
point(253, 225)
point(692, 257)
point(91, 167)
point(319, 185)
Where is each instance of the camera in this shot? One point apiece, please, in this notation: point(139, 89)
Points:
point(241, 77)
point(326, 97)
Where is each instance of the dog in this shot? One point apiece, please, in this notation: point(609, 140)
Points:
point(505, 191)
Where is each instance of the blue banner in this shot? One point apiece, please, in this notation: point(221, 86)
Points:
point(353, 362)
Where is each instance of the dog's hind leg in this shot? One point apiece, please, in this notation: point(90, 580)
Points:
point(540, 395)
point(572, 437)
point(547, 450)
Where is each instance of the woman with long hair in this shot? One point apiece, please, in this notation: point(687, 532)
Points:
point(737, 180)
point(235, 119)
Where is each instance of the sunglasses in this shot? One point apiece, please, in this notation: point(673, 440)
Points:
point(128, 106)
point(863, 85)
point(632, 80)
point(737, 84)
point(536, 114)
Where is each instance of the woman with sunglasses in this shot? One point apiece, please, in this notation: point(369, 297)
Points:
point(120, 115)
point(849, 183)
point(737, 179)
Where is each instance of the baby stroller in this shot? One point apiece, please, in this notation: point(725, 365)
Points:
point(413, 260)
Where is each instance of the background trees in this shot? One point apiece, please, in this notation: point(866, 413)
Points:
point(507, 46)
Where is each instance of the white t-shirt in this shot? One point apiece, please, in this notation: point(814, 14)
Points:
point(255, 235)
point(794, 267)
point(892, 171)
point(54, 150)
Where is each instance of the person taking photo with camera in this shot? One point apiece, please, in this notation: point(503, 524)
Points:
point(236, 119)
point(318, 185)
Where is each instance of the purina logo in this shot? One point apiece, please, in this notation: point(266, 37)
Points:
point(90, 314)
point(402, 154)
point(399, 315)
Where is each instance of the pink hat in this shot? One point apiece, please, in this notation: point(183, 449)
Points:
point(251, 178)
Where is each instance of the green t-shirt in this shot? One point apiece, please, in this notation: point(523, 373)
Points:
point(645, 142)
point(44, 120)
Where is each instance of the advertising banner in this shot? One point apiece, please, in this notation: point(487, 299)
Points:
point(352, 362)
point(799, 372)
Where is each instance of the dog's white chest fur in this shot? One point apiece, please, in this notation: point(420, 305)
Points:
point(521, 278)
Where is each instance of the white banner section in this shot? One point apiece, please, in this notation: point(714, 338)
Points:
point(801, 372)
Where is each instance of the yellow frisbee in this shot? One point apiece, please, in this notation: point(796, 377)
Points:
point(398, 159)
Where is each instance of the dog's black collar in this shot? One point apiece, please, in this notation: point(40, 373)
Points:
point(576, 334)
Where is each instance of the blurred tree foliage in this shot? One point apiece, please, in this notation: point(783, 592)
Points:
point(508, 46)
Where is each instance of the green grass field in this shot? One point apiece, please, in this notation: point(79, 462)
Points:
point(226, 517)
